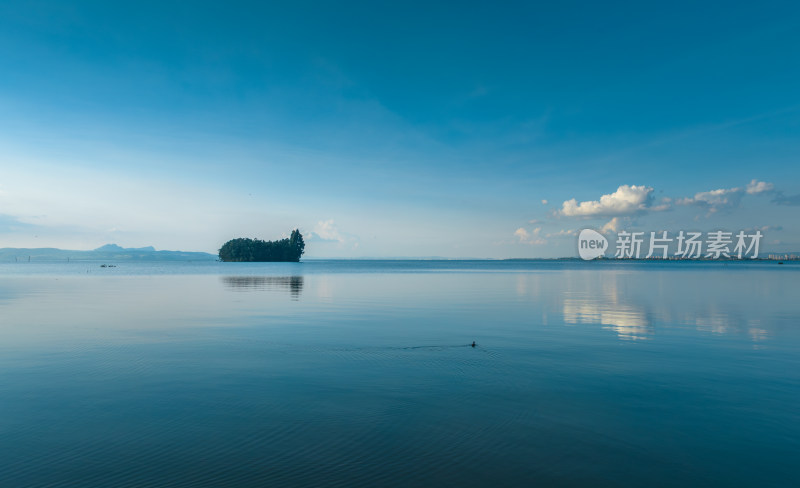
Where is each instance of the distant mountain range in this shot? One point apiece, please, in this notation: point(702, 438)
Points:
point(109, 252)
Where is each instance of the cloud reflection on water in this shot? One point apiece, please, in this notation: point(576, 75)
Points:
point(628, 322)
point(634, 307)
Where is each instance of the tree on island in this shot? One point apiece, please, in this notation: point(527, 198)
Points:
point(255, 250)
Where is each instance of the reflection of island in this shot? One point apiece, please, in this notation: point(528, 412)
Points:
point(292, 284)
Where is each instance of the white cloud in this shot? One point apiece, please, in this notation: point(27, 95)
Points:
point(728, 198)
point(715, 199)
point(666, 204)
point(765, 228)
point(611, 226)
point(326, 231)
point(755, 187)
point(628, 199)
point(526, 237)
point(563, 233)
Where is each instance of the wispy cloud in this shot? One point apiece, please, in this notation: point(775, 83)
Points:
point(715, 200)
point(766, 228)
point(533, 237)
point(9, 223)
point(781, 199)
point(563, 233)
point(755, 187)
point(611, 226)
point(665, 204)
point(730, 198)
point(326, 231)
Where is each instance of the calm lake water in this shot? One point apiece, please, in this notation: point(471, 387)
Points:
point(360, 373)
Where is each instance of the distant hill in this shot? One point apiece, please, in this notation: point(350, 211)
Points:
point(109, 252)
point(116, 248)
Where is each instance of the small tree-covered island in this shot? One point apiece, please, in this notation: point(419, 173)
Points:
point(255, 250)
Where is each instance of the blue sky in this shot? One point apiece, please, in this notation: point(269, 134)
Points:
point(412, 129)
